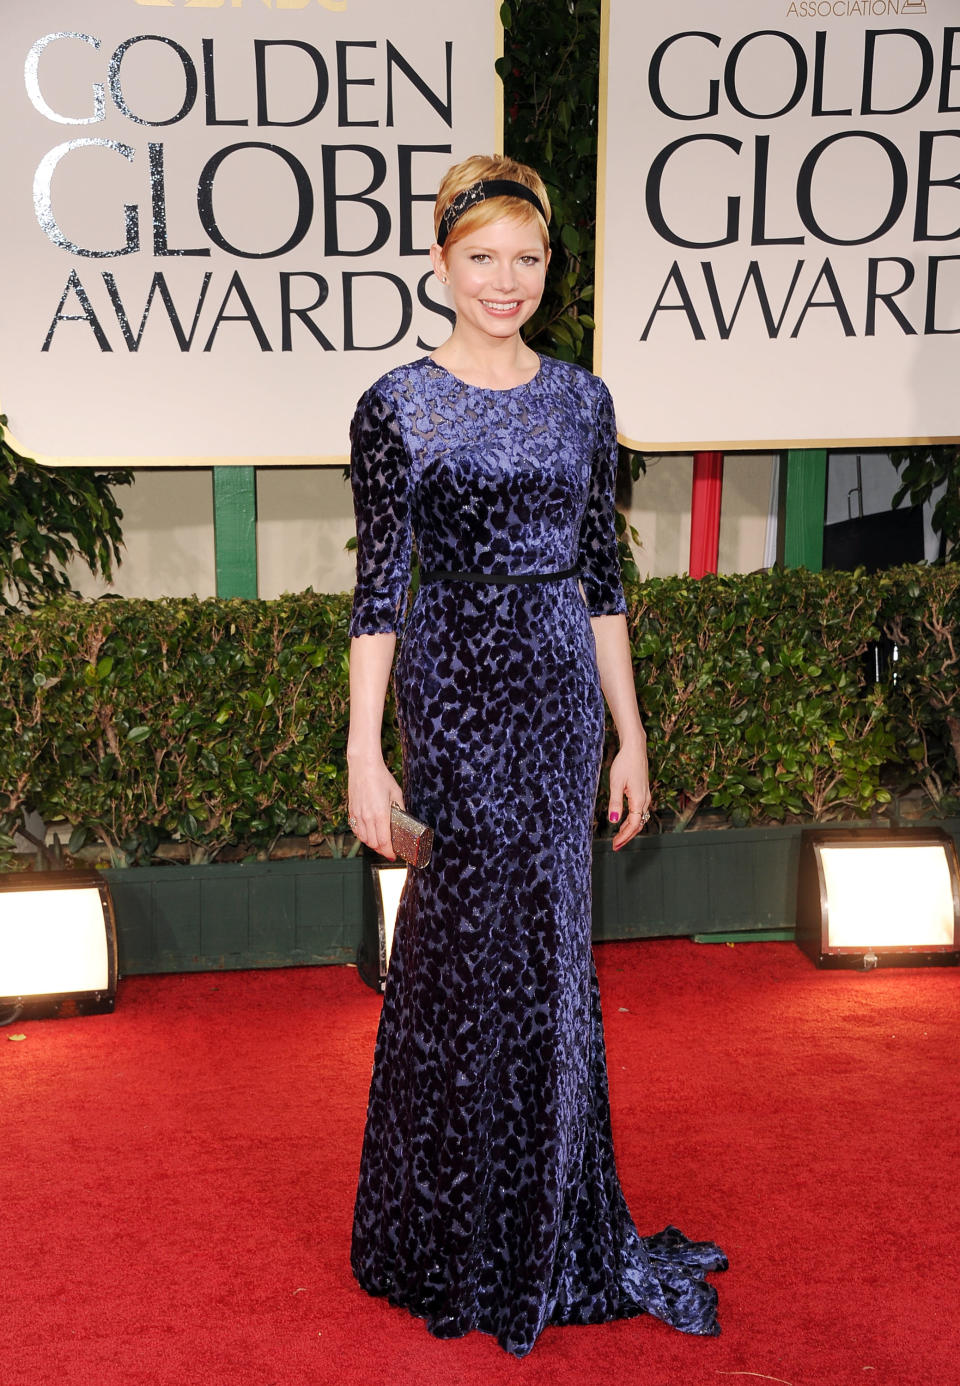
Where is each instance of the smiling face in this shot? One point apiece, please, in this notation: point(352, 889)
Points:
point(495, 274)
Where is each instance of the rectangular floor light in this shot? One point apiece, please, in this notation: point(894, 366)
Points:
point(58, 944)
point(877, 897)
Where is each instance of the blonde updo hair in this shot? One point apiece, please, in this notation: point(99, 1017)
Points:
point(488, 166)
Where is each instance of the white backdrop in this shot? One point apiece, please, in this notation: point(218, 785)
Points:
point(217, 214)
point(779, 202)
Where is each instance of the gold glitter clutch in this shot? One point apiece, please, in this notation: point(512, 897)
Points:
point(410, 839)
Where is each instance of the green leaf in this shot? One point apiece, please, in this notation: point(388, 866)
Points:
point(570, 238)
point(78, 839)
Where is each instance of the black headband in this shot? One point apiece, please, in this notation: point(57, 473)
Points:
point(479, 192)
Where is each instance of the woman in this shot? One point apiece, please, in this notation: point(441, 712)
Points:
point(488, 1195)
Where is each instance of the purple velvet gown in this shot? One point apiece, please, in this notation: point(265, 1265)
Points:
point(488, 1195)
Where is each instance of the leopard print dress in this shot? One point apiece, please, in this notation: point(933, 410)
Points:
point(488, 1195)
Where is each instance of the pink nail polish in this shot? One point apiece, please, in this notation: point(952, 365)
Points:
point(614, 817)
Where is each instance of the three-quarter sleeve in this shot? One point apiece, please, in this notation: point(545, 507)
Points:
point(598, 554)
point(379, 479)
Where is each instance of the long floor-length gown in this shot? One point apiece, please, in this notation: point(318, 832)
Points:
point(488, 1195)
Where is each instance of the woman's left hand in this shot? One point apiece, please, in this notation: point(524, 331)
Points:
point(630, 782)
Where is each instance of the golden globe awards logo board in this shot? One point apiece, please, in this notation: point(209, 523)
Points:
point(780, 221)
point(218, 212)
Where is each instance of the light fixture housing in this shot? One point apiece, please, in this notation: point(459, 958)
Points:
point(878, 897)
point(58, 944)
point(383, 884)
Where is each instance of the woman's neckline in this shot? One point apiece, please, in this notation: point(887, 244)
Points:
point(489, 389)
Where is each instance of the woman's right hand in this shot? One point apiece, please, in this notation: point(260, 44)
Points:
point(371, 789)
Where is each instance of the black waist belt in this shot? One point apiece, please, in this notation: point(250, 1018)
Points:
point(440, 575)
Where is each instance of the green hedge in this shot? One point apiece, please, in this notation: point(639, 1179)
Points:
point(755, 695)
point(209, 722)
point(223, 723)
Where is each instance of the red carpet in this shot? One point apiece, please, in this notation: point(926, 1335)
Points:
point(177, 1180)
